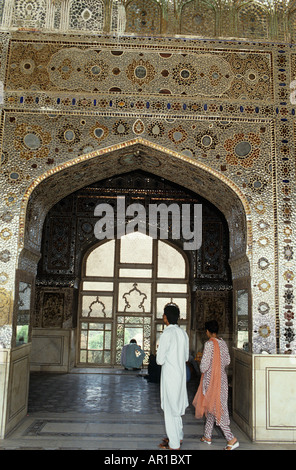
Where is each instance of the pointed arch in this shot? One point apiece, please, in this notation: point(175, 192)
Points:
point(137, 153)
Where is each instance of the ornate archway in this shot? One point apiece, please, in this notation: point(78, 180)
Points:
point(140, 154)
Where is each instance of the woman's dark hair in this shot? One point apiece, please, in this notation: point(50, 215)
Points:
point(212, 326)
point(172, 313)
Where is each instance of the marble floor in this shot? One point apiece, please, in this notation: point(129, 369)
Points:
point(106, 410)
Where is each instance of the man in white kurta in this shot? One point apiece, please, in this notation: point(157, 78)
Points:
point(172, 354)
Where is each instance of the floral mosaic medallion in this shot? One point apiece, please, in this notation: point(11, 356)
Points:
point(177, 135)
point(263, 308)
point(263, 263)
point(263, 225)
point(6, 234)
point(99, 131)
point(288, 275)
point(258, 184)
point(264, 285)
point(264, 331)
point(288, 253)
point(211, 74)
point(69, 134)
point(15, 176)
point(138, 127)
point(242, 150)
point(206, 140)
point(156, 129)
point(31, 141)
point(140, 72)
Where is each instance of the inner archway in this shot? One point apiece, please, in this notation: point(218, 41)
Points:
point(100, 279)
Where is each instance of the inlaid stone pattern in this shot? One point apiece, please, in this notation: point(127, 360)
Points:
point(224, 105)
point(50, 67)
point(41, 141)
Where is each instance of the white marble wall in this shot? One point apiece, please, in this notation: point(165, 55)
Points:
point(4, 373)
point(14, 387)
point(242, 390)
point(52, 349)
point(264, 403)
point(274, 378)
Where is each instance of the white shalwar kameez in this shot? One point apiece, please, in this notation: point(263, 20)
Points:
point(172, 354)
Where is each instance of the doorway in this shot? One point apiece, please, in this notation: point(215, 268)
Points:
point(124, 287)
point(104, 288)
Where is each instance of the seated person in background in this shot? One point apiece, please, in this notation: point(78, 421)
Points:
point(132, 356)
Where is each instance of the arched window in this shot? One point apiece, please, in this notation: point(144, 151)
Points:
point(125, 285)
point(29, 13)
point(253, 21)
point(143, 16)
point(86, 15)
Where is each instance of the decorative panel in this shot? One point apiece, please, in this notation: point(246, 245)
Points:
point(215, 115)
point(139, 71)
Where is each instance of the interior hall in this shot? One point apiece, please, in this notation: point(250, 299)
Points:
point(113, 111)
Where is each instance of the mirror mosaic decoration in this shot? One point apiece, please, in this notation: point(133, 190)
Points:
point(260, 19)
point(214, 112)
point(23, 314)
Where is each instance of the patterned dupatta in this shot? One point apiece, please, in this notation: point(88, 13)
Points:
point(211, 401)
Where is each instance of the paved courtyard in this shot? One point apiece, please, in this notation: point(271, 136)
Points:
point(107, 410)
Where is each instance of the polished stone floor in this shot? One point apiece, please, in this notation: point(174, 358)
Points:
point(106, 410)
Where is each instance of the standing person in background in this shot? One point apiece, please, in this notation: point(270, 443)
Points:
point(172, 354)
point(212, 394)
point(154, 370)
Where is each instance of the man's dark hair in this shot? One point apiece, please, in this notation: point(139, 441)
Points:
point(133, 341)
point(172, 313)
point(212, 326)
